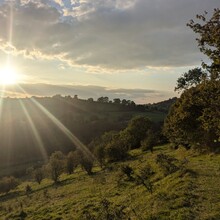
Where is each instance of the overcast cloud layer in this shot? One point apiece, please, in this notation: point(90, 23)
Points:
point(110, 34)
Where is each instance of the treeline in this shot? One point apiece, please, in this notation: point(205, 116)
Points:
point(28, 128)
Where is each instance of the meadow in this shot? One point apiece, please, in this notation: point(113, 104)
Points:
point(189, 192)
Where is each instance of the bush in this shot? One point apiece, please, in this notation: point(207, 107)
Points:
point(116, 150)
point(149, 142)
point(28, 189)
point(136, 131)
point(56, 165)
point(8, 183)
point(38, 175)
point(86, 161)
point(100, 154)
point(127, 170)
point(72, 162)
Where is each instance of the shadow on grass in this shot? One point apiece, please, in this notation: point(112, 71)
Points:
point(9, 195)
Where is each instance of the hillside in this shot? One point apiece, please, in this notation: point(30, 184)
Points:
point(189, 192)
point(32, 127)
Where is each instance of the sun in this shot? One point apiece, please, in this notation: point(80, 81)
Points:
point(8, 75)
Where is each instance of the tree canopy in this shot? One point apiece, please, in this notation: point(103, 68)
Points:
point(192, 78)
point(209, 40)
point(195, 117)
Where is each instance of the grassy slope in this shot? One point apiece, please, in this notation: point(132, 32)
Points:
point(194, 194)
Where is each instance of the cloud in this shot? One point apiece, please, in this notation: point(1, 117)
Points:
point(138, 95)
point(111, 34)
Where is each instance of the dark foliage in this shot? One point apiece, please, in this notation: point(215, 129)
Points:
point(7, 184)
point(192, 78)
point(86, 161)
point(128, 171)
point(72, 161)
point(195, 118)
point(208, 30)
point(56, 165)
point(38, 175)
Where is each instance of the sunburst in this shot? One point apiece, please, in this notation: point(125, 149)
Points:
point(8, 75)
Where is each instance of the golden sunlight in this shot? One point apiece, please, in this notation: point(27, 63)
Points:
point(8, 75)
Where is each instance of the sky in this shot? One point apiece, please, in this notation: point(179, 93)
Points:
point(133, 49)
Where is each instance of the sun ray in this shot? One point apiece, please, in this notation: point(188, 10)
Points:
point(64, 129)
point(35, 132)
point(1, 99)
point(10, 28)
point(79, 145)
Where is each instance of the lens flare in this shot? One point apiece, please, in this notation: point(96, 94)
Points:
point(8, 75)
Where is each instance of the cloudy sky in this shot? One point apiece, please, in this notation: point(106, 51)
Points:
point(134, 49)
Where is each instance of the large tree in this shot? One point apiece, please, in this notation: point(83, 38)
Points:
point(195, 117)
point(208, 31)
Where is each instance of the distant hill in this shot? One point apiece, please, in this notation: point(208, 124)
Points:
point(37, 126)
point(163, 106)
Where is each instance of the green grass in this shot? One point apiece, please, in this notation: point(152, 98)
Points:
point(189, 193)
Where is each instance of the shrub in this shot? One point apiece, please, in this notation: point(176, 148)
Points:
point(149, 142)
point(56, 165)
point(28, 189)
point(100, 154)
point(136, 131)
point(117, 149)
point(8, 183)
point(86, 161)
point(127, 170)
point(72, 162)
point(38, 175)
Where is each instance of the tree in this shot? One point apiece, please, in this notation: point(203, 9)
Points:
point(124, 102)
point(71, 162)
point(86, 162)
point(56, 165)
point(194, 119)
point(103, 99)
point(136, 131)
point(191, 78)
point(117, 149)
point(38, 175)
point(150, 141)
point(117, 101)
point(209, 40)
point(90, 100)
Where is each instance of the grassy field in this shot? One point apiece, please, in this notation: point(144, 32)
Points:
point(190, 192)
